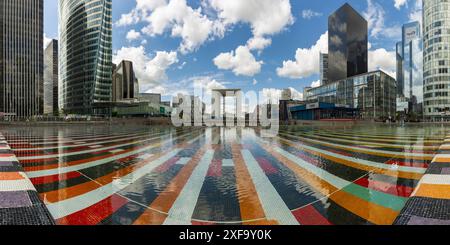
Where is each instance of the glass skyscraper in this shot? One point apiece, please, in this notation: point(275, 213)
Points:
point(85, 70)
point(323, 69)
point(21, 57)
point(436, 60)
point(410, 68)
point(51, 79)
point(347, 44)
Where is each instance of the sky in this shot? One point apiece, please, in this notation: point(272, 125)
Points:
point(260, 45)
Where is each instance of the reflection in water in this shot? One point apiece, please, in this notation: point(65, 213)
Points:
point(163, 175)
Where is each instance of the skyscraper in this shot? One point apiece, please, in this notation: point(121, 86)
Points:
point(436, 60)
point(347, 44)
point(323, 69)
point(51, 78)
point(409, 67)
point(124, 82)
point(85, 70)
point(21, 57)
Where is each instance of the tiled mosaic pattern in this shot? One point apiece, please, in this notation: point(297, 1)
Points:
point(430, 202)
point(19, 200)
point(158, 175)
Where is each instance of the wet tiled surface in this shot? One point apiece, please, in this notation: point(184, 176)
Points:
point(161, 175)
point(19, 202)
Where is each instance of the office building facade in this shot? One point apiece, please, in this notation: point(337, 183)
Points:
point(85, 69)
point(436, 59)
point(347, 44)
point(124, 82)
point(51, 79)
point(373, 94)
point(323, 69)
point(410, 68)
point(21, 57)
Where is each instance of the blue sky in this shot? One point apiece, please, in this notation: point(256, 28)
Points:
point(176, 42)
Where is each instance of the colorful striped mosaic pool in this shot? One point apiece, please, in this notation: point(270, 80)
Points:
point(158, 175)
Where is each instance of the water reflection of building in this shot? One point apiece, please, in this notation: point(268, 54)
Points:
point(410, 69)
point(373, 94)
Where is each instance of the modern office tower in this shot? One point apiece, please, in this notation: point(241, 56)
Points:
point(436, 60)
point(323, 69)
point(21, 57)
point(150, 97)
point(85, 67)
point(347, 44)
point(124, 82)
point(51, 79)
point(410, 68)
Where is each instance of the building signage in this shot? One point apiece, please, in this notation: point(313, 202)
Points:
point(312, 106)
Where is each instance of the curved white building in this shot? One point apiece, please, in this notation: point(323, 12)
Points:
point(85, 66)
point(436, 60)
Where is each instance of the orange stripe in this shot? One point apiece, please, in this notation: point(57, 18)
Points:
point(433, 191)
point(401, 174)
point(372, 212)
point(442, 159)
point(165, 200)
point(250, 206)
point(11, 176)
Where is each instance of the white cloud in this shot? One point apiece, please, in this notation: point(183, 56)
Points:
point(128, 19)
point(399, 3)
point(416, 12)
point(309, 14)
point(383, 60)
point(258, 43)
point(254, 82)
point(133, 35)
point(241, 62)
point(376, 16)
point(315, 84)
point(47, 41)
point(149, 71)
point(306, 61)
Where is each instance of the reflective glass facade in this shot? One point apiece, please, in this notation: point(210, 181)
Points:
point(323, 69)
point(51, 78)
point(85, 68)
point(436, 60)
point(347, 44)
point(374, 94)
point(410, 66)
point(21, 57)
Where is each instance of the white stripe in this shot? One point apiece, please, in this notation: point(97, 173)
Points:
point(75, 204)
point(435, 179)
point(95, 146)
point(182, 209)
point(274, 206)
point(116, 151)
point(439, 156)
point(62, 170)
point(17, 185)
point(6, 147)
point(8, 159)
point(366, 162)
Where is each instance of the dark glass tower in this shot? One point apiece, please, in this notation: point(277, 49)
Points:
point(21, 57)
point(124, 82)
point(347, 44)
point(51, 79)
point(85, 65)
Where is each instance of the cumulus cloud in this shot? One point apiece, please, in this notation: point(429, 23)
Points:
point(241, 62)
point(376, 15)
point(315, 84)
point(309, 14)
point(381, 59)
point(258, 43)
point(306, 61)
point(149, 70)
point(133, 35)
point(399, 3)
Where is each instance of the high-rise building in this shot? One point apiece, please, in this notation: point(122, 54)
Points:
point(85, 66)
point(410, 68)
point(436, 60)
point(51, 79)
point(323, 69)
point(21, 57)
point(124, 82)
point(347, 44)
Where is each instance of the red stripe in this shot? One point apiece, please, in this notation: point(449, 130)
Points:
point(408, 164)
point(266, 166)
point(202, 223)
point(54, 178)
point(397, 190)
point(215, 169)
point(310, 216)
point(95, 213)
